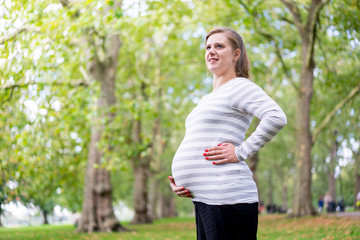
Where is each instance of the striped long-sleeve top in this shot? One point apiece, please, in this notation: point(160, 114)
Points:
point(224, 115)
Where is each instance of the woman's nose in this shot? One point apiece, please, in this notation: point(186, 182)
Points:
point(212, 51)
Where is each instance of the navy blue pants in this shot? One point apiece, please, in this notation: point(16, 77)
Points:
point(226, 222)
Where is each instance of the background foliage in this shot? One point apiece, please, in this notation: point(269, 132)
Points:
point(46, 98)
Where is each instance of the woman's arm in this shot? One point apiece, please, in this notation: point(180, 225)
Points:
point(250, 98)
point(272, 118)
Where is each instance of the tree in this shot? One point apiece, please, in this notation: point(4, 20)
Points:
point(155, 96)
point(356, 154)
point(78, 75)
point(48, 70)
point(302, 202)
point(306, 22)
point(13, 117)
point(102, 59)
point(2, 201)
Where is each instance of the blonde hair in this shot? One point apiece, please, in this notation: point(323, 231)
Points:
point(242, 67)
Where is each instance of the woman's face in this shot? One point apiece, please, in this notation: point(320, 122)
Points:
point(219, 55)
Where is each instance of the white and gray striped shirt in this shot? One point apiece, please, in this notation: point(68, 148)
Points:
point(224, 115)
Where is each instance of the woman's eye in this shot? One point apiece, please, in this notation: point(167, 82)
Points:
point(215, 46)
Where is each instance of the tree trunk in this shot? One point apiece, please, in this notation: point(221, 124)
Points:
point(162, 200)
point(141, 165)
point(156, 154)
point(331, 173)
point(141, 168)
point(284, 206)
point(168, 208)
point(2, 195)
point(357, 173)
point(302, 201)
point(155, 198)
point(270, 189)
point(1, 212)
point(284, 189)
point(302, 205)
point(253, 161)
point(45, 219)
point(97, 211)
point(141, 175)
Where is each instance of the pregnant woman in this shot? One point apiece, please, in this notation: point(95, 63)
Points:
point(209, 166)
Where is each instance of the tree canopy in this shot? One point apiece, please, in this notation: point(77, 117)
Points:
point(57, 59)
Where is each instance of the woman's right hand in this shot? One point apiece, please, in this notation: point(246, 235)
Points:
point(180, 191)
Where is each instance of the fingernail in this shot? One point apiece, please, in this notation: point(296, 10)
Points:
point(219, 144)
point(187, 191)
point(169, 177)
point(214, 163)
point(207, 158)
point(182, 188)
point(204, 154)
point(206, 150)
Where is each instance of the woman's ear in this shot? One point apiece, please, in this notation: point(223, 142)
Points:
point(237, 54)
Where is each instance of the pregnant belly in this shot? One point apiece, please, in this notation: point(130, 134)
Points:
point(199, 176)
point(188, 167)
point(206, 180)
point(195, 177)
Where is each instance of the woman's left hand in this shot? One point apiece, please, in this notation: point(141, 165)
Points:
point(221, 154)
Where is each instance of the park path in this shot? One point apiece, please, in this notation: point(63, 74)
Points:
point(354, 215)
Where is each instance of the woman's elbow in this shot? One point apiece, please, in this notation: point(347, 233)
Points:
point(282, 120)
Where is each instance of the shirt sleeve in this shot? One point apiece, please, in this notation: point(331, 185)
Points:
point(251, 99)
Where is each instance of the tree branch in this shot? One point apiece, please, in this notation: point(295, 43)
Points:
point(11, 87)
point(271, 38)
point(332, 113)
point(312, 19)
point(286, 20)
point(293, 8)
point(7, 99)
point(314, 9)
point(78, 83)
point(12, 35)
point(279, 56)
point(324, 54)
point(85, 75)
point(245, 7)
point(64, 3)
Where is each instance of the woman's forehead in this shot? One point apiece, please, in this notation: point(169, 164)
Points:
point(217, 38)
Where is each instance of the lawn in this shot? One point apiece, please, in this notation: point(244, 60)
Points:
point(270, 227)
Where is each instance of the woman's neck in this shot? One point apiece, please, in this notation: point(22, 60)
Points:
point(218, 81)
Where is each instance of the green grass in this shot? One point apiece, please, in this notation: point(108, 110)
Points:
point(326, 227)
point(270, 227)
point(171, 229)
